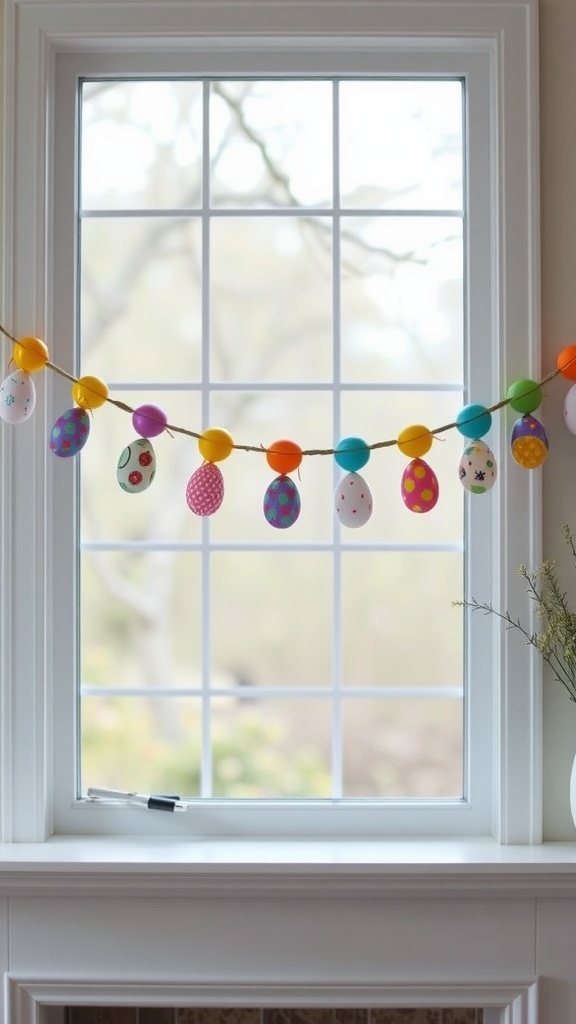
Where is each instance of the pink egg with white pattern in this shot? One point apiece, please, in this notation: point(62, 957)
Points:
point(353, 501)
point(205, 490)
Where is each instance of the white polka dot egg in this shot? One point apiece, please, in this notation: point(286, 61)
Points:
point(353, 501)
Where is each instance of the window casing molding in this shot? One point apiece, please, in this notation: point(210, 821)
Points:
point(38, 717)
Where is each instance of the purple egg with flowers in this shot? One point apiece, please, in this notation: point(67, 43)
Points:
point(70, 433)
point(281, 503)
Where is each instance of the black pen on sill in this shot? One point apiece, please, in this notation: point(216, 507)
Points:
point(149, 802)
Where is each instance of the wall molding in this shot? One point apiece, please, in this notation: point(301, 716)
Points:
point(28, 999)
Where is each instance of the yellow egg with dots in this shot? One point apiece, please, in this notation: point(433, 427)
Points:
point(89, 392)
point(30, 354)
point(215, 444)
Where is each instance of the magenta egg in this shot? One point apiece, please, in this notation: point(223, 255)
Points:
point(149, 420)
point(419, 486)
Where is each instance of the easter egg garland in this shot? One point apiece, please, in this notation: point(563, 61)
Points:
point(136, 465)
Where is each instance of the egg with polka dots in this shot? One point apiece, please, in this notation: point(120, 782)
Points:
point(419, 486)
point(353, 501)
point(136, 467)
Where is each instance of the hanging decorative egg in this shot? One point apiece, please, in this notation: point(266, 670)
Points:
point(524, 395)
point(477, 469)
point(70, 433)
point(529, 442)
point(281, 503)
point(17, 397)
point(566, 362)
point(89, 392)
point(205, 490)
point(284, 456)
point(351, 453)
point(570, 409)
point(353, 501)
point(474, 420)
point(419, 486)
point(149, 420)
point(30, 354)
point(215, 444)
point(136, 466)
point(415, 441)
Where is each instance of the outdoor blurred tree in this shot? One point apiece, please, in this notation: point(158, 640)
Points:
point(270, 321)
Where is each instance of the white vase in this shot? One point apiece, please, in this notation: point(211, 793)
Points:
point(573, 790)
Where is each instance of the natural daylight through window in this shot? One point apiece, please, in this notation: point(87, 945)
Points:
point(284, 259)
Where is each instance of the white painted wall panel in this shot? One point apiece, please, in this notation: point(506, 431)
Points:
point(274, 940)
point(556, 959)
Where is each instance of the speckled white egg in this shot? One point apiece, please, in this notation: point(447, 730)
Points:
point(136, 467)
point(17, 397)
point(477, 469)
point(353, 501)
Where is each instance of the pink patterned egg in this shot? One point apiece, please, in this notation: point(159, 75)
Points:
point(205, 490)
point(419, 486)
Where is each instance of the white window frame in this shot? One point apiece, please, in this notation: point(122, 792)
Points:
point(38, 719)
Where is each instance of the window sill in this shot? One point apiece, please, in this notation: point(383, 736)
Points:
point(172, 867)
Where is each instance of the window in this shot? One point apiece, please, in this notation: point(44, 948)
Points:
point(263, 735)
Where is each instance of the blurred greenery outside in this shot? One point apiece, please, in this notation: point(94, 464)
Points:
point(357, 672)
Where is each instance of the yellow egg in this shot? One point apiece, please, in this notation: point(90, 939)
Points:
point(30, 354)
point(215, 444)
point(89, 392)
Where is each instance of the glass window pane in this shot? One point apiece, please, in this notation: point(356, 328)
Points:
point(259, 332)
point(140, 299)
point(266, 749)
point(386, 334)
point(271, 321)
point(271, 144)
point(403, 749)
point(401, 144)
point(400, 628)
point(141, 619)
point(142, 744)
point(285, 596)
point(141, 145)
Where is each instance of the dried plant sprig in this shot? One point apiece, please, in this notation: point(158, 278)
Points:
point(556, 640)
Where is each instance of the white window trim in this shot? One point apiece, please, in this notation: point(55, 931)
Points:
point(30, 631)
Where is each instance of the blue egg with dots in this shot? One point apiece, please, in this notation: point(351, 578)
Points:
point(351, 453)
point(474, 421)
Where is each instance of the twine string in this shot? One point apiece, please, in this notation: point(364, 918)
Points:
point(172, 428)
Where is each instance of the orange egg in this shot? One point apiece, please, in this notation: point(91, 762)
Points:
point(284, 456)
